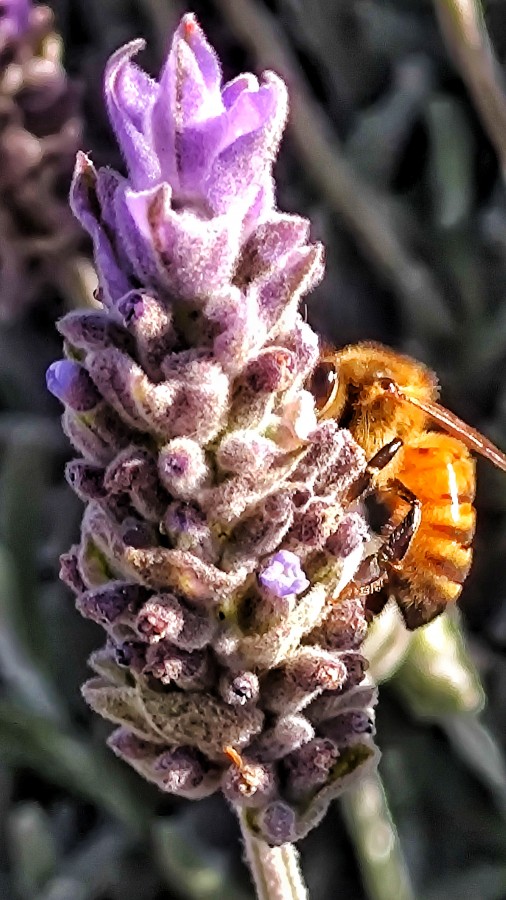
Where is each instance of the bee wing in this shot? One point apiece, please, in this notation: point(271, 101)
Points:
point(451, 423)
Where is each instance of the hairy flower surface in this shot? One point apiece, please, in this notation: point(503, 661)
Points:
point(40, 132)
point(217, 539)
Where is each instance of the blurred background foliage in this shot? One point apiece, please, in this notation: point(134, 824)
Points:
point(388, 157)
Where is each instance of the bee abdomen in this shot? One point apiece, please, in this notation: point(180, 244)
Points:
point(440, 472)
point(441, 521)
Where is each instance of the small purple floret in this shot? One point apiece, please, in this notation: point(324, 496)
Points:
point(60, 376)
point(283, 575)
point(71, 384)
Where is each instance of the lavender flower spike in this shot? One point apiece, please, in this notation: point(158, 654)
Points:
point(217, 537)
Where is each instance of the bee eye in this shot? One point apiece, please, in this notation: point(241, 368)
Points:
point(323, 383)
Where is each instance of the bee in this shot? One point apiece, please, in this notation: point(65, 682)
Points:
point(424, 477)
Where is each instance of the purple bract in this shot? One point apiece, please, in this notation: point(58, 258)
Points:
point(199, 156)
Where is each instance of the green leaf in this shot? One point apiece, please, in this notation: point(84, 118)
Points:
point(450, 161)
point(32, 848)
point(62, 758)
point(27, 681)
point(91, 870)
point(23, 481)
point(477, 747)
point(480, 882)
point(387, 643)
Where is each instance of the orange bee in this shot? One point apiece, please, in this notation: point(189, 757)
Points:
point(425, 478)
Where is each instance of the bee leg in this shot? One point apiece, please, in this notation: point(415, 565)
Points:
point(365, 484)
point(373, 572)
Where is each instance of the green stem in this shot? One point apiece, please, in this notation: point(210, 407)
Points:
point(275, 870)
point(463, 27)
point(376, 842)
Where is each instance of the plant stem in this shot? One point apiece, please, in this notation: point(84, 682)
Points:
point(463, 27)
point(376, 842)
point(275, 870)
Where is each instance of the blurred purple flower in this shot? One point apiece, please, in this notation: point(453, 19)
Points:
point(40, 132)
point(14, 18)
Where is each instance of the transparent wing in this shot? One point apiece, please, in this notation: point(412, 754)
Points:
point(451, 423)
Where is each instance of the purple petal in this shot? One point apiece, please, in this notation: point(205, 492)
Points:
point(205, 56)
point(266, 247)
point(85, 206)
point(131, 307)
point(242, 168)
point(241, 330)
point(188, 94)
point(254, 109)
point(133, 235)
point(302, 269)
point(191, 78)
point(129, 94)
point(283, 576)
point(197, 256)
point(232, 90)
point(194, 100)
point(71, 384)
point(261, 207)
point(198, 145)
point(110, 186)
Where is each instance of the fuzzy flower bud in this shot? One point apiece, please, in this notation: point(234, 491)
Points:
point(181, 770)
point(308, 768)
point(71, 384)
point(239, 689)
point(217, 537)
point(183, 468)
point(249, 784)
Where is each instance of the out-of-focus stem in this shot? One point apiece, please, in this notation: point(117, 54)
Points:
point(376, 841)
point(463, 27)
point(275, 870)
point(78, 280)
point(365, 209)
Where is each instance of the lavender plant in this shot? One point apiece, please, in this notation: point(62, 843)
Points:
point(217, 540)
point(40, 132)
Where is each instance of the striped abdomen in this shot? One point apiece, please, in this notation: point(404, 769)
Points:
point(440, 472)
